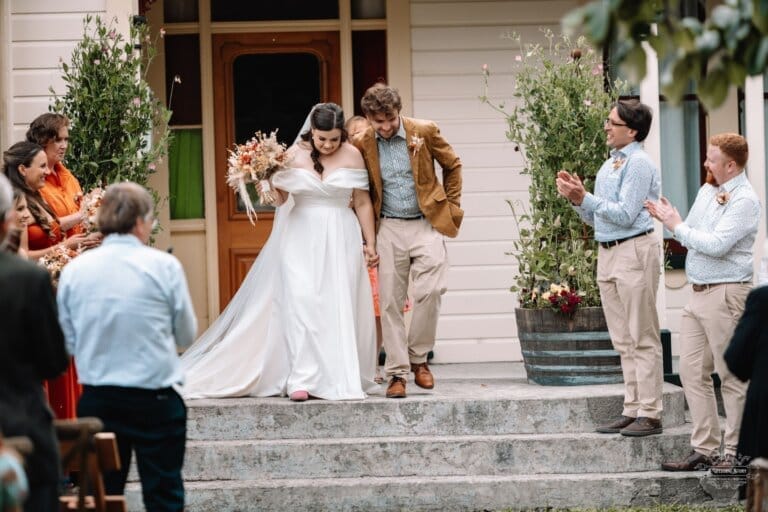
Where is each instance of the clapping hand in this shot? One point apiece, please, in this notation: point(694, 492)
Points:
point(664, 212)
point(570, 187)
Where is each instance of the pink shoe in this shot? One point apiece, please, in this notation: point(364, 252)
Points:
point(299, 396)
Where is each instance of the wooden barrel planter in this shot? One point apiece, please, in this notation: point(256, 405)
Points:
point(562, 351)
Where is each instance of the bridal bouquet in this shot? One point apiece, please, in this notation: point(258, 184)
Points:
point(55, 261)
point(255, 161)
point(91, 202)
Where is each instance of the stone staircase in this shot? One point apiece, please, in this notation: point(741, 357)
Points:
point(483, 439)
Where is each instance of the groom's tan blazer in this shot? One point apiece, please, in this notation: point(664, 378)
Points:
point(440, 203)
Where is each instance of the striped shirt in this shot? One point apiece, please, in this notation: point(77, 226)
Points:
point(623, 183)
point(399, 195)
point(719, 237)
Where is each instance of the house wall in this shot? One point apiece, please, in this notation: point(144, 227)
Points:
point(450, 41)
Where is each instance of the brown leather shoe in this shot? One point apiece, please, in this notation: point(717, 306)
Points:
point(642, 426)
point(396, 388)
point(694, 462)
point(615, 426)
point(422, 375)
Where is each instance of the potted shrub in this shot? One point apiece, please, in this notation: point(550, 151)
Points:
point(561, 102)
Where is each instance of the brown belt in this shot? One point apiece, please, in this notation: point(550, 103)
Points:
point(707, 286)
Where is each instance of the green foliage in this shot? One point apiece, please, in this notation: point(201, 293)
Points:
point(561, 105)
point(722, 51)
point(113, 112)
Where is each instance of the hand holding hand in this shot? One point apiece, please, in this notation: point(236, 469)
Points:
point(371, 256)
point(92, 240)
point(570, 187)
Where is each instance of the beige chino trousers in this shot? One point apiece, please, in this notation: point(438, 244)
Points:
point(628, 277)
point(706, 328)
point(409, 249)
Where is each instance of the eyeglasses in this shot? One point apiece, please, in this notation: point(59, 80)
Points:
point(613, 123)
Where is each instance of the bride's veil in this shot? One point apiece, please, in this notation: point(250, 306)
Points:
point(235, 354)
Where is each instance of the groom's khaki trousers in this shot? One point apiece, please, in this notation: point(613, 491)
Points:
point(409, 248)
point(628, 277)
point(707, 325)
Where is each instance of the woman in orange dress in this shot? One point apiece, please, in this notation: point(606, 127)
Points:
point(26, 165)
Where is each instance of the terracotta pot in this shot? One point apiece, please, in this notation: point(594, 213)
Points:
point(559, 350)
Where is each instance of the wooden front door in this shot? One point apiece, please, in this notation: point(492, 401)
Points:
point(262, 82)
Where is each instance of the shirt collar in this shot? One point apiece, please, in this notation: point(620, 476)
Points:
point(400, 132)
point(121, 239)
point(734, 182)
point(626, 150)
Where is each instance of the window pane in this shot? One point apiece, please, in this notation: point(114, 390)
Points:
point(369, 9)
point(680, 153)
point(266, 100)
point(179, 11)
point(182, 60)
point(369, 61)
point(237, 10)
point(185, 166)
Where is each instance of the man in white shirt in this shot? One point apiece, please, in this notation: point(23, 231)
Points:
point(124, 308)
point(719, 233)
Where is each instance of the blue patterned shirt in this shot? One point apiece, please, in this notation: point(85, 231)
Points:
point(399, 195)
point(623, 183)
point(720, 237)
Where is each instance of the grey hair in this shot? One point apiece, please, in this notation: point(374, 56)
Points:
point(6, 197)
point(123, 204)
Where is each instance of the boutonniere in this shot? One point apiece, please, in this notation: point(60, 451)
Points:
point(722, 197)
point(618, 162)
point(415, 145)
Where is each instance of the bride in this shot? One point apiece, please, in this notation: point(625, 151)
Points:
point(302, 322)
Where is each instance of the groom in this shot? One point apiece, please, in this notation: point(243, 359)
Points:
point(413, 212)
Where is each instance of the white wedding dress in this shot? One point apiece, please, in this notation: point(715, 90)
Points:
point(303, 318)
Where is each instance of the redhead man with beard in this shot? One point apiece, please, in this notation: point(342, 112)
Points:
point(719, 233)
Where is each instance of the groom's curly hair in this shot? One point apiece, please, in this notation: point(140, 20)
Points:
point(381, 99)
point(325, 117)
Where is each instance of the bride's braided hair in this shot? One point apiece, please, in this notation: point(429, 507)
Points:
point(325, 117)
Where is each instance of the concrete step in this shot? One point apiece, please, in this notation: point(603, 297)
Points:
point(455, 407)
point(507, 454)
point(456, 493)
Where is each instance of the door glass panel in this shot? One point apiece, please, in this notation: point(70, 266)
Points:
point(369, 9)
point(237, 10)
point(179, 11)
point(369, 61)
point(274, 91)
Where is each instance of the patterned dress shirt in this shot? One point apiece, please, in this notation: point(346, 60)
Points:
point(719, 237)
point(623, 183)
point(399, 191)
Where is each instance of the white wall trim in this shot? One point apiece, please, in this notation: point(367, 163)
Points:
point(6, 95)
point(754, 108)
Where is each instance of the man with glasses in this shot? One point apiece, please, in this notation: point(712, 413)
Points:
point(719, 233)
point(124, 308)
point(628, 264)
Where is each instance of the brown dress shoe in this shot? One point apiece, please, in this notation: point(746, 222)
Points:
point(694, 462)
point(642, 426)
point(615, 426)
point(396, 388)
point(423, 376)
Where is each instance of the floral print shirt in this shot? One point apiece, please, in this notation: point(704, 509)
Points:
point(720, 237)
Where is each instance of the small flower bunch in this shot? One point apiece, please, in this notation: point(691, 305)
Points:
point(722, 197)
point(55, 261)
point(415, 144)
point(562, 298)
point(252, 162)
point(90, 203)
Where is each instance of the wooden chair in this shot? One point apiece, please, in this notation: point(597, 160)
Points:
point(90, 452)
point(757, 486)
